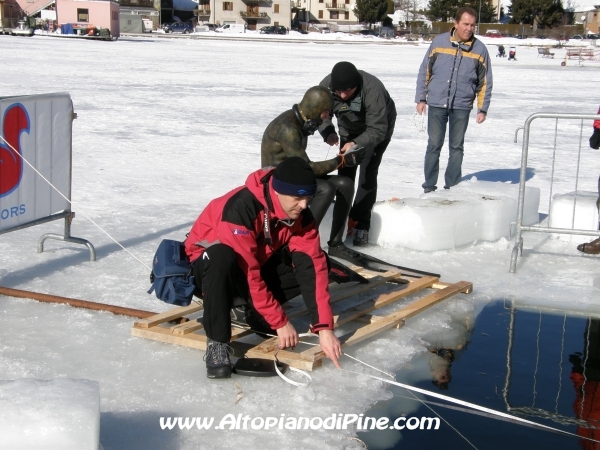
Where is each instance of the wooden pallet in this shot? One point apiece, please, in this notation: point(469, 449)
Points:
point(360, 313)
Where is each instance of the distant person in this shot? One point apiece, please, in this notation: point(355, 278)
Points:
point(255, 248)
point(366, 116)
point(454, 71)
point(287, 135)
point(593, 247)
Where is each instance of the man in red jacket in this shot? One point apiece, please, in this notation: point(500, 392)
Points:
point(259, 246)
point(593, 247)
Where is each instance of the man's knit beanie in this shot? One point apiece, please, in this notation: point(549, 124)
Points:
point(344, 76)
point(294, 176)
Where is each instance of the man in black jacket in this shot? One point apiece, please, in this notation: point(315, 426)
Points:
point(366, 115)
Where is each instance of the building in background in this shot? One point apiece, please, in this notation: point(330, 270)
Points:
point(588, 17)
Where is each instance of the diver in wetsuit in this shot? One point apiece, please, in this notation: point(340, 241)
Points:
point(287, 135)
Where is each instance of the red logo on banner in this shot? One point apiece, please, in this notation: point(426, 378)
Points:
point(11, 165)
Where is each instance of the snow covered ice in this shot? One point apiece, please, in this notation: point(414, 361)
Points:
point(163, 127)
point(59, 414)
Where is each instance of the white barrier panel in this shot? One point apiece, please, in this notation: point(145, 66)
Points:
point(39, 128)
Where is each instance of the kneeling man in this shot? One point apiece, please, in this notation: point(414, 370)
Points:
point(259, 246)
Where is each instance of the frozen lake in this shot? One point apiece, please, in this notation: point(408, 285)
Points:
point(163, 127)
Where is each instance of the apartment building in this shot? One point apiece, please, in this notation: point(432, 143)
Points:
point(253, 13)
point(338, 12)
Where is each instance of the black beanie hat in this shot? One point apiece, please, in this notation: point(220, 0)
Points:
point(294, 176)
point(344, 76)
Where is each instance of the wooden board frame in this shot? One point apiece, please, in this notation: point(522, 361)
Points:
point(360, 312)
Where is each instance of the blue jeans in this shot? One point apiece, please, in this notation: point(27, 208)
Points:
point(458, 120)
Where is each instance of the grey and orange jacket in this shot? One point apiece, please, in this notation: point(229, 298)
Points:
point(251, 221)
point(453, 73)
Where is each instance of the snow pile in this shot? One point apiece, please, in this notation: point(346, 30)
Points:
point(59, 414)
point(586, 214)
point(471, 211)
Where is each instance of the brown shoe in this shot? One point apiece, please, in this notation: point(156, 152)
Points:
point(592, 248)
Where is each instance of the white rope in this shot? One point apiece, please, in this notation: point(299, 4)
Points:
point(292, 382)
point(440, 416)
point(72, 204)
point(473, 406)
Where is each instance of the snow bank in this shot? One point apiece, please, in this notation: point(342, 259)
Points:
point(471, 211)
point(59, 414)
point(586, 214)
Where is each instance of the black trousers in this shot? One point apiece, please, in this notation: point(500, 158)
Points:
point(366, 194)
point(328, 187)
point(221, 281)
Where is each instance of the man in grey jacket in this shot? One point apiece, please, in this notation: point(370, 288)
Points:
point(455, 70)
point(366, 115)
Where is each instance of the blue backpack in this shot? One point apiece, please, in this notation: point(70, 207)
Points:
point(171, 275)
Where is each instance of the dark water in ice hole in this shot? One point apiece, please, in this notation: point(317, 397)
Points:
point(554, 371)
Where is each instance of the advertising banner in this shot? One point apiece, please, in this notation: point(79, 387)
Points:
point(36, 129)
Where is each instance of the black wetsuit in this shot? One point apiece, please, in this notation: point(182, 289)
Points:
point(284, 137)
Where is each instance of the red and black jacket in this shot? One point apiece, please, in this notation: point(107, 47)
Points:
point(251, 221)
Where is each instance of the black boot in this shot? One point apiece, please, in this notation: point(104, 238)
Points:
point(361, 238)
point(218, 364)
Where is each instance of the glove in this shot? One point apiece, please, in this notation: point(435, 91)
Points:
point(353, 157)
point(595, 139)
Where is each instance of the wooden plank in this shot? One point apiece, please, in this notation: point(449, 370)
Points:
point(161, 334)
point(404, 313)
point(355, 290)
point(297, 360)
point(164, 334)
point(188, 327)
point(267, 346)
point(370, 318)
point(167, 316)
point(383, 300)
point(395, 318)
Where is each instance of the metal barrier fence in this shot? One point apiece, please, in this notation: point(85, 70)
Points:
point(520, 228)
point(36, 158)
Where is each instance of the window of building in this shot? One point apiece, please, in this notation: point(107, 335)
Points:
point(276, 24)
point(83, 15)
point(347, 15)
point(347, 2)
point(276, 8)
point(227, 6)
point(334, 15)
point(321, 14)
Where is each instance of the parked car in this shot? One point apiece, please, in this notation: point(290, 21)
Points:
point(178, 27)
point(273, 29)
point(577, 36)
point(386, 32)
point(299, 30)
point(232, 28)
point(521, 36)
point(200, 28)
point(493, 34)
point(369, 32)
